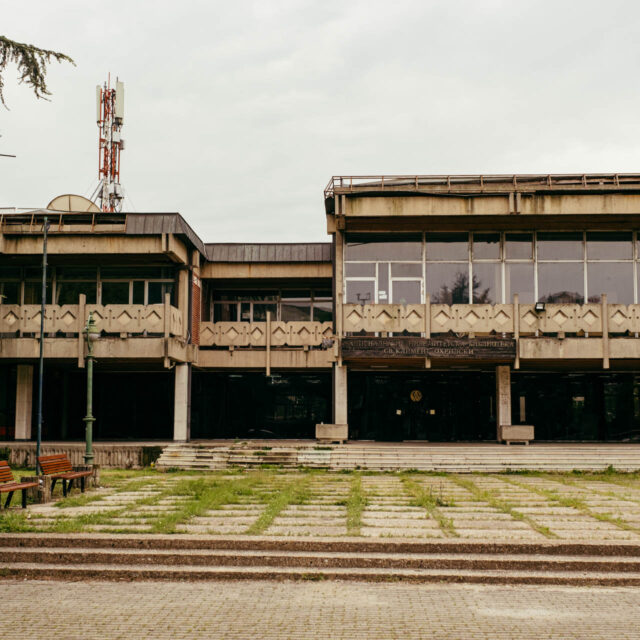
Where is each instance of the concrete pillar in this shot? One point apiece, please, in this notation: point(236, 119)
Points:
point(339, 394)
point(503, 395)
point(182, 402)
point(24, 401)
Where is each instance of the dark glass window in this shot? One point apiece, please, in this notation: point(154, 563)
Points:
point(519, 279)
point(295, 311)
point(322, 310)
point(559, 246)
point(518, 246)
point(33, 293)
point(225, 312)
point(260, 312)
point(447, 246)
point(561, 282)
point(69, 292)
point(613, 278)
point(115, 293)
point(448, 283)
point(10, 293)
point(156, 292)
point(76, 273)
point(609, 246)
point(486, 246)
point(138, 292)
point(487, 283)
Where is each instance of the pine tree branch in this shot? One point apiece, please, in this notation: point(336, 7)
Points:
point(32, 65)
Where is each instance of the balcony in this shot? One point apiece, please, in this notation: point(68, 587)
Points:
point(485, 319)
point(264, 334)
point(70, 319)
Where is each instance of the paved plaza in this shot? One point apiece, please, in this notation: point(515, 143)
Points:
point(336, 610)
point(496, 507)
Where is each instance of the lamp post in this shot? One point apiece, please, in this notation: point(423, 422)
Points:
point(91, 333)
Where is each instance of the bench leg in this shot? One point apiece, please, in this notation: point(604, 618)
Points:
point(82, 484)
point(64, 488)
point(8, 500)
point(53, 484)
point(24, 498)
point(69, 485)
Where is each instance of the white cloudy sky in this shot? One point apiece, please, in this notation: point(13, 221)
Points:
point(237, 113)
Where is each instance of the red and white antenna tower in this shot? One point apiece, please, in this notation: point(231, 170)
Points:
point(110, 113)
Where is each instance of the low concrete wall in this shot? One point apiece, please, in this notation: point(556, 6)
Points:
point(126, 456)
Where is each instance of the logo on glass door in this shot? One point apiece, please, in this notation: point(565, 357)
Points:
point(416, 395)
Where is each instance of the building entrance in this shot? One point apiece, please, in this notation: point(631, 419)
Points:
point(426, 405)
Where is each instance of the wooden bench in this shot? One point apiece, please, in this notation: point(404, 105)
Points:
point(59, 467)
point(9, 485)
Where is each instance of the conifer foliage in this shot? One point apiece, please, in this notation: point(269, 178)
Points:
point(31, 62)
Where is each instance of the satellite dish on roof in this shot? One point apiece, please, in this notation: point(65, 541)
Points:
point(72, 202)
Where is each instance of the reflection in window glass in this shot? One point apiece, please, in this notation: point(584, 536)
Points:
point(559, 246)
point(447, 246)
point(561, 282)
point(613, 278)
point(486, 246)
point(225, 312)
point(448, 283)
point(360, 269)
point(609, 245)
point(295, 311)
point(361, 292)
point(115, 293)
point(381, 248)
point(406, 292)
point(518, 246)
point(487, 283)
point(519, 279)
point(323, 310)
point(157, 290)
point(260, 312)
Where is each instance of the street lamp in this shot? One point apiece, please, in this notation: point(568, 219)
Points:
point(91, 334)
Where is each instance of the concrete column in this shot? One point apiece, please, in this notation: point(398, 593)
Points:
point(181, 403)
point(503, 395)
point(339, 394)
point(24, 401)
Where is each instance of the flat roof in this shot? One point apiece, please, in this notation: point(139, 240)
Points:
point(269, 252)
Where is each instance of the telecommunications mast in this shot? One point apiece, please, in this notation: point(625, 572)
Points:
point(110, 114)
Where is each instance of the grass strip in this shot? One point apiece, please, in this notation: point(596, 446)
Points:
point(356, 502)
point(294, 492)
point(482, 495)
point(427, 500)
point(574, 503)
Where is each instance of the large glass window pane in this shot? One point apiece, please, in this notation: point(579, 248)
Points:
point(360, 269)
point(69, 292)
point(561, 282)
point(487, 283)
point(613, 278)
point(609, 245)
point(387, 247)
point(448, 283)
point(519, 279)
point(77, 273)
point(518, 246)
point(33, 293)
point(156, 292)
point(9, 293)
point(400, 270)
point(138, 291)
point(383, 283)
point(115, 292)
point(486, 246)
point(559, 246)
point(361, 292)
point(322, 310)
point(260, 312)
point(295, 311)
point(447, 246)
point(406, 292)
point(225, 312)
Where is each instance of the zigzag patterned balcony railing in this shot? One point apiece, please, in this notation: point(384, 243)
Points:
point(254, 334)
point(71, 319)
point(485, 319)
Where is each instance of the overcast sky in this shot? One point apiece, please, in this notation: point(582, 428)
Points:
point(238, 113)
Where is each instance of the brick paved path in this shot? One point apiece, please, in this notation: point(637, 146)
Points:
point(336, 610)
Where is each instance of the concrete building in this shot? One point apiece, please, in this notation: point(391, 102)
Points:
point(444, 308)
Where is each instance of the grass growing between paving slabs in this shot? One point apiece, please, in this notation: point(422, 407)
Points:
point(355, 503)
point(490, 497)
point(573, 503)
point(426, 499)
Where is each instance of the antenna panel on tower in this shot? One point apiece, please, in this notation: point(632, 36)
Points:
point(119, 109)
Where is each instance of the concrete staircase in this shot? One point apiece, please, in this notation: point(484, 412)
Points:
point(137, 557)
point(390, 457)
